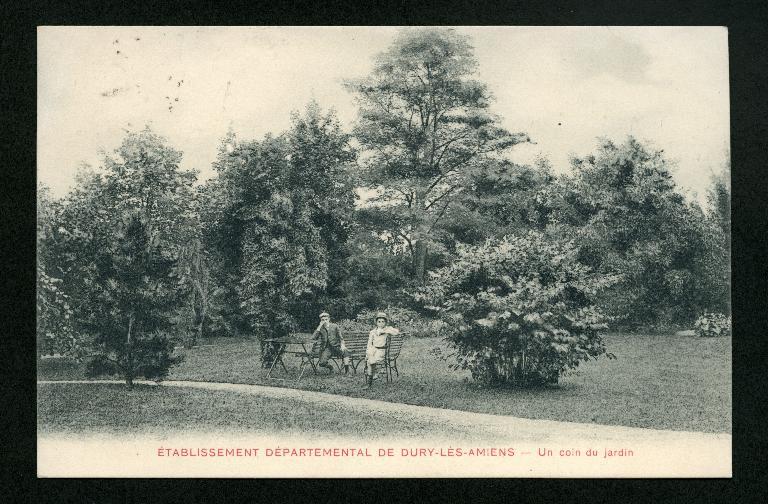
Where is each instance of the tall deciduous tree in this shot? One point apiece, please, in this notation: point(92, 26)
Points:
point(54, 313)
point(323, 176)
point(285, 208)
point(193, 270)
point(120, 235)
point(718, 265)
point(628, 218)
point(222, 231)
point(283, 257)
point(425, 124)
point(505, 198)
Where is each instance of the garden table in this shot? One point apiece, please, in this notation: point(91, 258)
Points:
point(291, 345)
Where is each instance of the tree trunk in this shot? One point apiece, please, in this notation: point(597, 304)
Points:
point(199, 279)
point(190, 336)
point(419, 260)
point(129, 356)
point(203, 306)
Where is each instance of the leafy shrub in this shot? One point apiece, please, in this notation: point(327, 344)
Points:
point(149, 357)
point(349, 326)
point(426, 328)
point(712, 324)
point(408, 321)
point(519, 309)
point(397, 316)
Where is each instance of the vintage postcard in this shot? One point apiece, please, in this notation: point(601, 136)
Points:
point(383, 252)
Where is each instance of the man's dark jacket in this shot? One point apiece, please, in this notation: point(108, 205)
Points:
point(329, 334)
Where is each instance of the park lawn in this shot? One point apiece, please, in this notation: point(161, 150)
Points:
point(111, 409)
point(657, 381)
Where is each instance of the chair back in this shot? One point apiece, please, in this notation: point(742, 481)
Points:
point(394, 345)
point(356, 343)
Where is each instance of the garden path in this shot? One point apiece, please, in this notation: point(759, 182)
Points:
point(497, 426)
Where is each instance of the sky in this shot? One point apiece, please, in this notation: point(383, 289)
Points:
point(563, 86)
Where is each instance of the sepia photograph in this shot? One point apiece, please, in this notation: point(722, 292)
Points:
point(355, 252)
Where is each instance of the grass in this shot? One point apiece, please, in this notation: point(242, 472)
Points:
point(112, 409)
point(657, 381)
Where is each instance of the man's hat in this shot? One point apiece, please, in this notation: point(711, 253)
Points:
point(325, 314)
point(383, 315)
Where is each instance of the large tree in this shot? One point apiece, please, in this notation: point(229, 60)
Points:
point(425, 125)
point(323, 176)
point(505, 198)
point(718, 264)
point(54, 313)
point(284, 208)
point(622, 208)
point(119, 239)
point(222, 231)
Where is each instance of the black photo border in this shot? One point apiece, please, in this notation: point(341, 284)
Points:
point(746, 22)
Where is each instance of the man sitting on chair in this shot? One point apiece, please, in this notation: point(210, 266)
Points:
point(329, 343)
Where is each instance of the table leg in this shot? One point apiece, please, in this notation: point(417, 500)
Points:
point(278, 357)
point(309, 358)
point(301, 369)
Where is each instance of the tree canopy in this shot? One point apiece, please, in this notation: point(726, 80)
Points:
point(118, 238)
point(524, 264)
point(285, 213)
point(622, 208)
point(425, 125)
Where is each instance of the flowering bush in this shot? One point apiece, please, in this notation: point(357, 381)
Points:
point(712, 324)
point(519, 309)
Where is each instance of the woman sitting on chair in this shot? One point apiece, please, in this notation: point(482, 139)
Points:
point(376, 352)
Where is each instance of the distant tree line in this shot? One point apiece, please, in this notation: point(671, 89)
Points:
point(138, 254)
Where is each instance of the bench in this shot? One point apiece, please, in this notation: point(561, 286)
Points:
point(356, 343)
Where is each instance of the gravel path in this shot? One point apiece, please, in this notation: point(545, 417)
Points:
point(521, 429)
